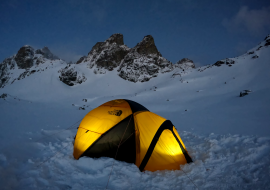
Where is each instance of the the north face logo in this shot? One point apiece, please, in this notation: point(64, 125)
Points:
point(115, 112)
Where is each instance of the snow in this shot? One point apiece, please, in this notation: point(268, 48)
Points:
point(228, 137)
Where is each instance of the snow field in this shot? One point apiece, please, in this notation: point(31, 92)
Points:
point(228, 137)
point(220, 162)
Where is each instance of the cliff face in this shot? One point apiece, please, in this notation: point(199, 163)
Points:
point(107, 55)
point(143, 62)
point(70, 76)
point(24, 57)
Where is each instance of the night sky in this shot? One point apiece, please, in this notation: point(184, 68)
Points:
point(205, 30)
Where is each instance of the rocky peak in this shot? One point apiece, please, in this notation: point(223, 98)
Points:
point(70, 76)
point(24, 57)
point(147, 46)
point(27, 56)
point(106, 55)
point(143, 62)
point(116, 38)
point(185, 63)
point(227, 61)
point(26, 62)
point(46, 53)
point(140, 63)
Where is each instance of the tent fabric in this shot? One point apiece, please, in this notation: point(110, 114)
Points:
point(126, 152)
point(127, 131)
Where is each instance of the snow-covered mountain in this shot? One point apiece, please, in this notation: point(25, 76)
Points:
point(137, 64)
point(227, 136)
point(26, 62)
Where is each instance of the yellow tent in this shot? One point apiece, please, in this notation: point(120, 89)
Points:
point(127, 131)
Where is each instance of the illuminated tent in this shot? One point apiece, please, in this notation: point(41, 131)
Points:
point(144, 138)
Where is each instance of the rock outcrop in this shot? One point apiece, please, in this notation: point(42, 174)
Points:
point(81, 60)
point(70, 76)
point(267, 40)
point(107, 55)
point(4, 95)
point(5, 67)
point(226, 61)
point(143, 62)
point(24, 57)
point(184, 64)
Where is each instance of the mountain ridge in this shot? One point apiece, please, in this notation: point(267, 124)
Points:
point(138, 64)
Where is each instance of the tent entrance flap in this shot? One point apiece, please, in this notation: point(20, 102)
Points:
point(107, 144)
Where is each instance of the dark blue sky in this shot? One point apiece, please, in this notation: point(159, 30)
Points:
point(204, 30)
